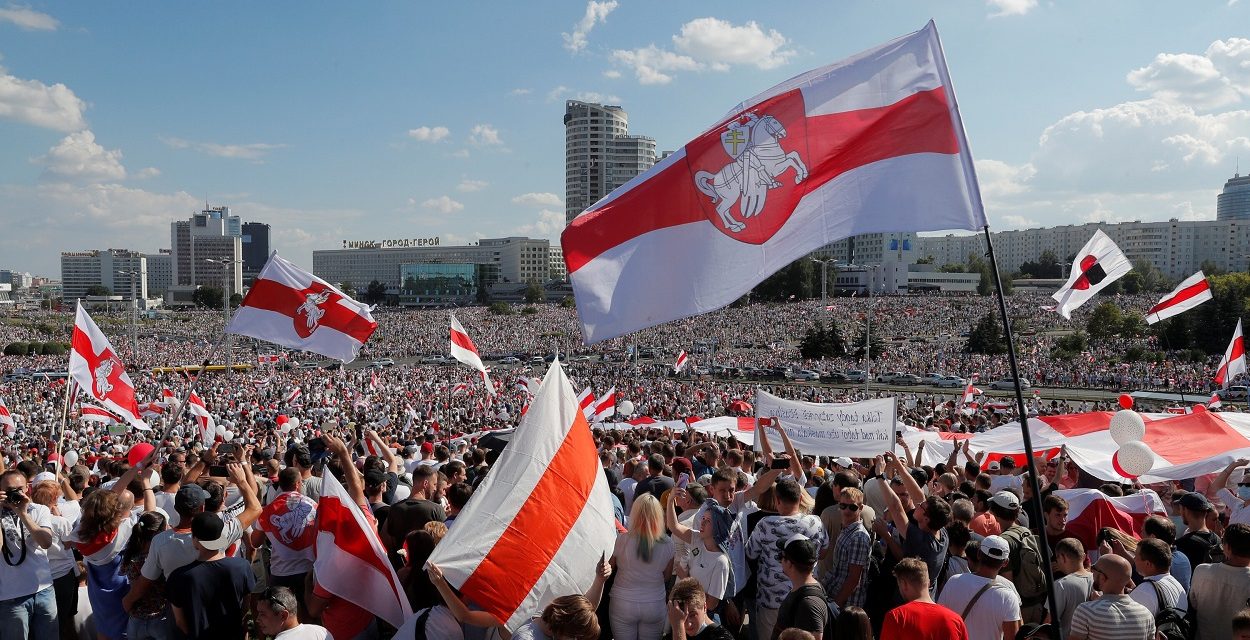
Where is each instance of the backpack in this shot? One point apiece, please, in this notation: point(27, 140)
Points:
point(1170, 622)
point(1027, 575)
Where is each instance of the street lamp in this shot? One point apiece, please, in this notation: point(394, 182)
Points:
point(824, 278)
point(134, 316)
point(225, 304)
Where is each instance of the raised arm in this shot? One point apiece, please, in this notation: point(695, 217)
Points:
point(795, 467)
point(909, 483)
point(392, 460)
point(351, 477)
point(455, 604)
point(1221, 481)
point(679, 530)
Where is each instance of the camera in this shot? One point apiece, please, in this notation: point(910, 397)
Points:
point(1105, 535)
point(13, 495)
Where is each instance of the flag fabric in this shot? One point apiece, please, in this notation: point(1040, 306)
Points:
point(1233, 363)
point(605, 406)
point(6, 419)
point(95, 367)
point(586, 402)
point(1099, 263)
point(463, 349)
point(970, 393)
point(293, 308)
point(167, 395)
point(350, 560)
point(152, 409)
point(203, 419)
point(1190, 293)
point(870, 144)
point(88, 413)
point(682, 360)
point(1089, 510)
point(1215, 402)
point(294, 395)
point(537, 526)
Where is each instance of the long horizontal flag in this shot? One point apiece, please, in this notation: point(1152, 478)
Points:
point(1194, 291)
point(871, 144)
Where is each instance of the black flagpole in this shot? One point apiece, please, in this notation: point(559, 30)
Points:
point(1024, 430)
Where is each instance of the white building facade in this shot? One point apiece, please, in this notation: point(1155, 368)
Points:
point(518, 260)
point(599, 154)
point(111, 268)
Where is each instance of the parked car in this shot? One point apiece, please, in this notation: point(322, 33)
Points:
point(888, 377)
point(581, 358)
point(931, 378)
point(384, 362)
point(537, 360)
point(1235, 392)
point(509, 360)
point(835, 377)
point(855, 375)
point(951, 382)
point(434, 360)
point(15, 377)
point(1008, 384)
point(907, 379)
point(311, 364)
point(806, 375)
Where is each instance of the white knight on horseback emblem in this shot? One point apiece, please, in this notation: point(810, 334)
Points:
point(756, 161)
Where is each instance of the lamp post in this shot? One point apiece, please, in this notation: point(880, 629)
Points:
point(824, 279)
point(225, 305)
point(134, 316)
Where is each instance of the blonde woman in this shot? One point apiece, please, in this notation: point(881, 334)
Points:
point(643, 561)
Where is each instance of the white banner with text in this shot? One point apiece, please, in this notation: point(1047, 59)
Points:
point(854, 429)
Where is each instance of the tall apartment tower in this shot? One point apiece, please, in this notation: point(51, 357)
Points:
point(255, 249)
point(1233, 203)
point(212, 234)
point(599, 154)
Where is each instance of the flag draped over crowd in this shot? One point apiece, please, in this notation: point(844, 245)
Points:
point(871, 144)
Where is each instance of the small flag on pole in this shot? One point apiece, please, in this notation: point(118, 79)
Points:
point(1190, 293)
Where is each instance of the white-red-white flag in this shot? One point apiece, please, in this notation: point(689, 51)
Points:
point(1190, 293)
point(1233, 363)
point(95, 367)
point(463, 349)
point(294, 395)
point(1099, 263)
point(293, 308)
point(88, 413)
point(1215, 402)
point(586, 402)
point(605, 406)
point(203, 419)
point(970, 393)
point(350, 560)
point(6, 419)
point(152, 409)
point(537, 526)
point(870, 144)
point(682, 360)
point(167, 395)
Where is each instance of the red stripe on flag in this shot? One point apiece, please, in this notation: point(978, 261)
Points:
point(835, 143)
point(462, 340)
point(1181, 296)
point(1239, 351)
point(509, 571)
point(274, 296)
point(335, 518)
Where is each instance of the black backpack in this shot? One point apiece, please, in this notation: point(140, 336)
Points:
point(1170, 622)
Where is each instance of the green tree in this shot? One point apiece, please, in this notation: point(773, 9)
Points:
point(500, 308)
point(375, 293)
point(857, 346)
point(1105, 321)
point(926, 260)
point(568, 302)
point(1211, 269)
point(1133, 282)
point(534, 293)
point(1176, 332)
point(1070, 346)
point(207, 297)
point(348, 288)
point(819, 342)
point(953, 267)
point(236, 299)
point(1213, 321)
point(16, 349)
point(793, 281)
point(986, 337)
point(99, 290)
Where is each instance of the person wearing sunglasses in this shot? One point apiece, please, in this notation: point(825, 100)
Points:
point(1238, 503)
point(844, 583)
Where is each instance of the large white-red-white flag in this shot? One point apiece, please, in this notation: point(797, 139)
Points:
point(6, 419)
point(350, 560)
point(605, 406)
point(293, 308)
point(1233, 363)
point(681, 362)
point(537, 526)
point(586, 402)
point(203, 419)
point(463, 349)
point(1099, 263)
point(1190, 293)
point(871, 144)
point(88, 413)
point(96, 369)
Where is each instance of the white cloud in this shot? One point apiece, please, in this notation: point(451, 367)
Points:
point(484, 135)
point(35, 103)
point(562, 93)
point(28, 18)
point(1004, 8)
point(653, 65)
point(442, 204)
point(612, 73)
point(596, 13)
point(460, 153)
point(520, 91)
point(78, 157)
point(469, 186)
point(1018, 222)
point(255, 151)
point(147, 172)
point(429, 134)
point(549, 224)
point(538, 200)
point(720, 44)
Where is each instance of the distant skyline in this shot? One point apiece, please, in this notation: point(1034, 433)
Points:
point(334, 121)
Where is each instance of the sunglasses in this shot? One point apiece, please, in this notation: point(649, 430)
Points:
point(1243, 484)
point(848, 507)
point(1098, 571)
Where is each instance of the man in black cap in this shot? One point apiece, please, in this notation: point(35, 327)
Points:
point(806, 606)
point(207, 595)
point(1199, 544)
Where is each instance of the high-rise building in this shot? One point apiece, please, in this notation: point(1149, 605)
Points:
point(255, 249)
point(1233, 203)
point(18, 279)
point(557, 270)
point(160, 272)
point(212, 234)
point(599, 154)
point(111, 269)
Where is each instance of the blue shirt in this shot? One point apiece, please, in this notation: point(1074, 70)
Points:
point(1182, 570)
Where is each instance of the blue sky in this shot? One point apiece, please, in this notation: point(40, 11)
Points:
point(340, 121)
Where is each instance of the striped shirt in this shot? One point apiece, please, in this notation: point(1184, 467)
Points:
point(1113, 617)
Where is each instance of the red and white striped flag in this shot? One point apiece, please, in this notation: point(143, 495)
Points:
point(1190, 293)
point(152, 409)
point(167, 395)
point(204, 419)
point(95, 367)
point(293, 308)
point(605, 406)
point(870, 144)
point(88, 413)
point(1233, 363)
point(6, 419)
point(681, 362)
point(1215, 402)
point(293, 395)
point(970, 394)
point(460, 388)
point(539, 523)
point(350, 560)
point(1089, 510)
point(463, 349)
point(586, 402)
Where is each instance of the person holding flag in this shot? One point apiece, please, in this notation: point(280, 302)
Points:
point(463, 349)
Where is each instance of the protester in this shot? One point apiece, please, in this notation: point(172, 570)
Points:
point(27, 600)
point(207, 595)
point(642, 561)
point(1076, 584)
point(277, 617)
point(986, 601)
point(1220, 590)
point(920, 618)
point(687, 614)
point(806, 606)
point(771, 579)
point(1113, 615)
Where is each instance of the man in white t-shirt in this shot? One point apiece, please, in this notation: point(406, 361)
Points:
point(988, 603)
point(1154, 562)
point(287, 524)
point(1238, 504)
point(276, 617)
point(27, 601)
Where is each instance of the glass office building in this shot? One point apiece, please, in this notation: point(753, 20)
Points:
point(442, 284)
